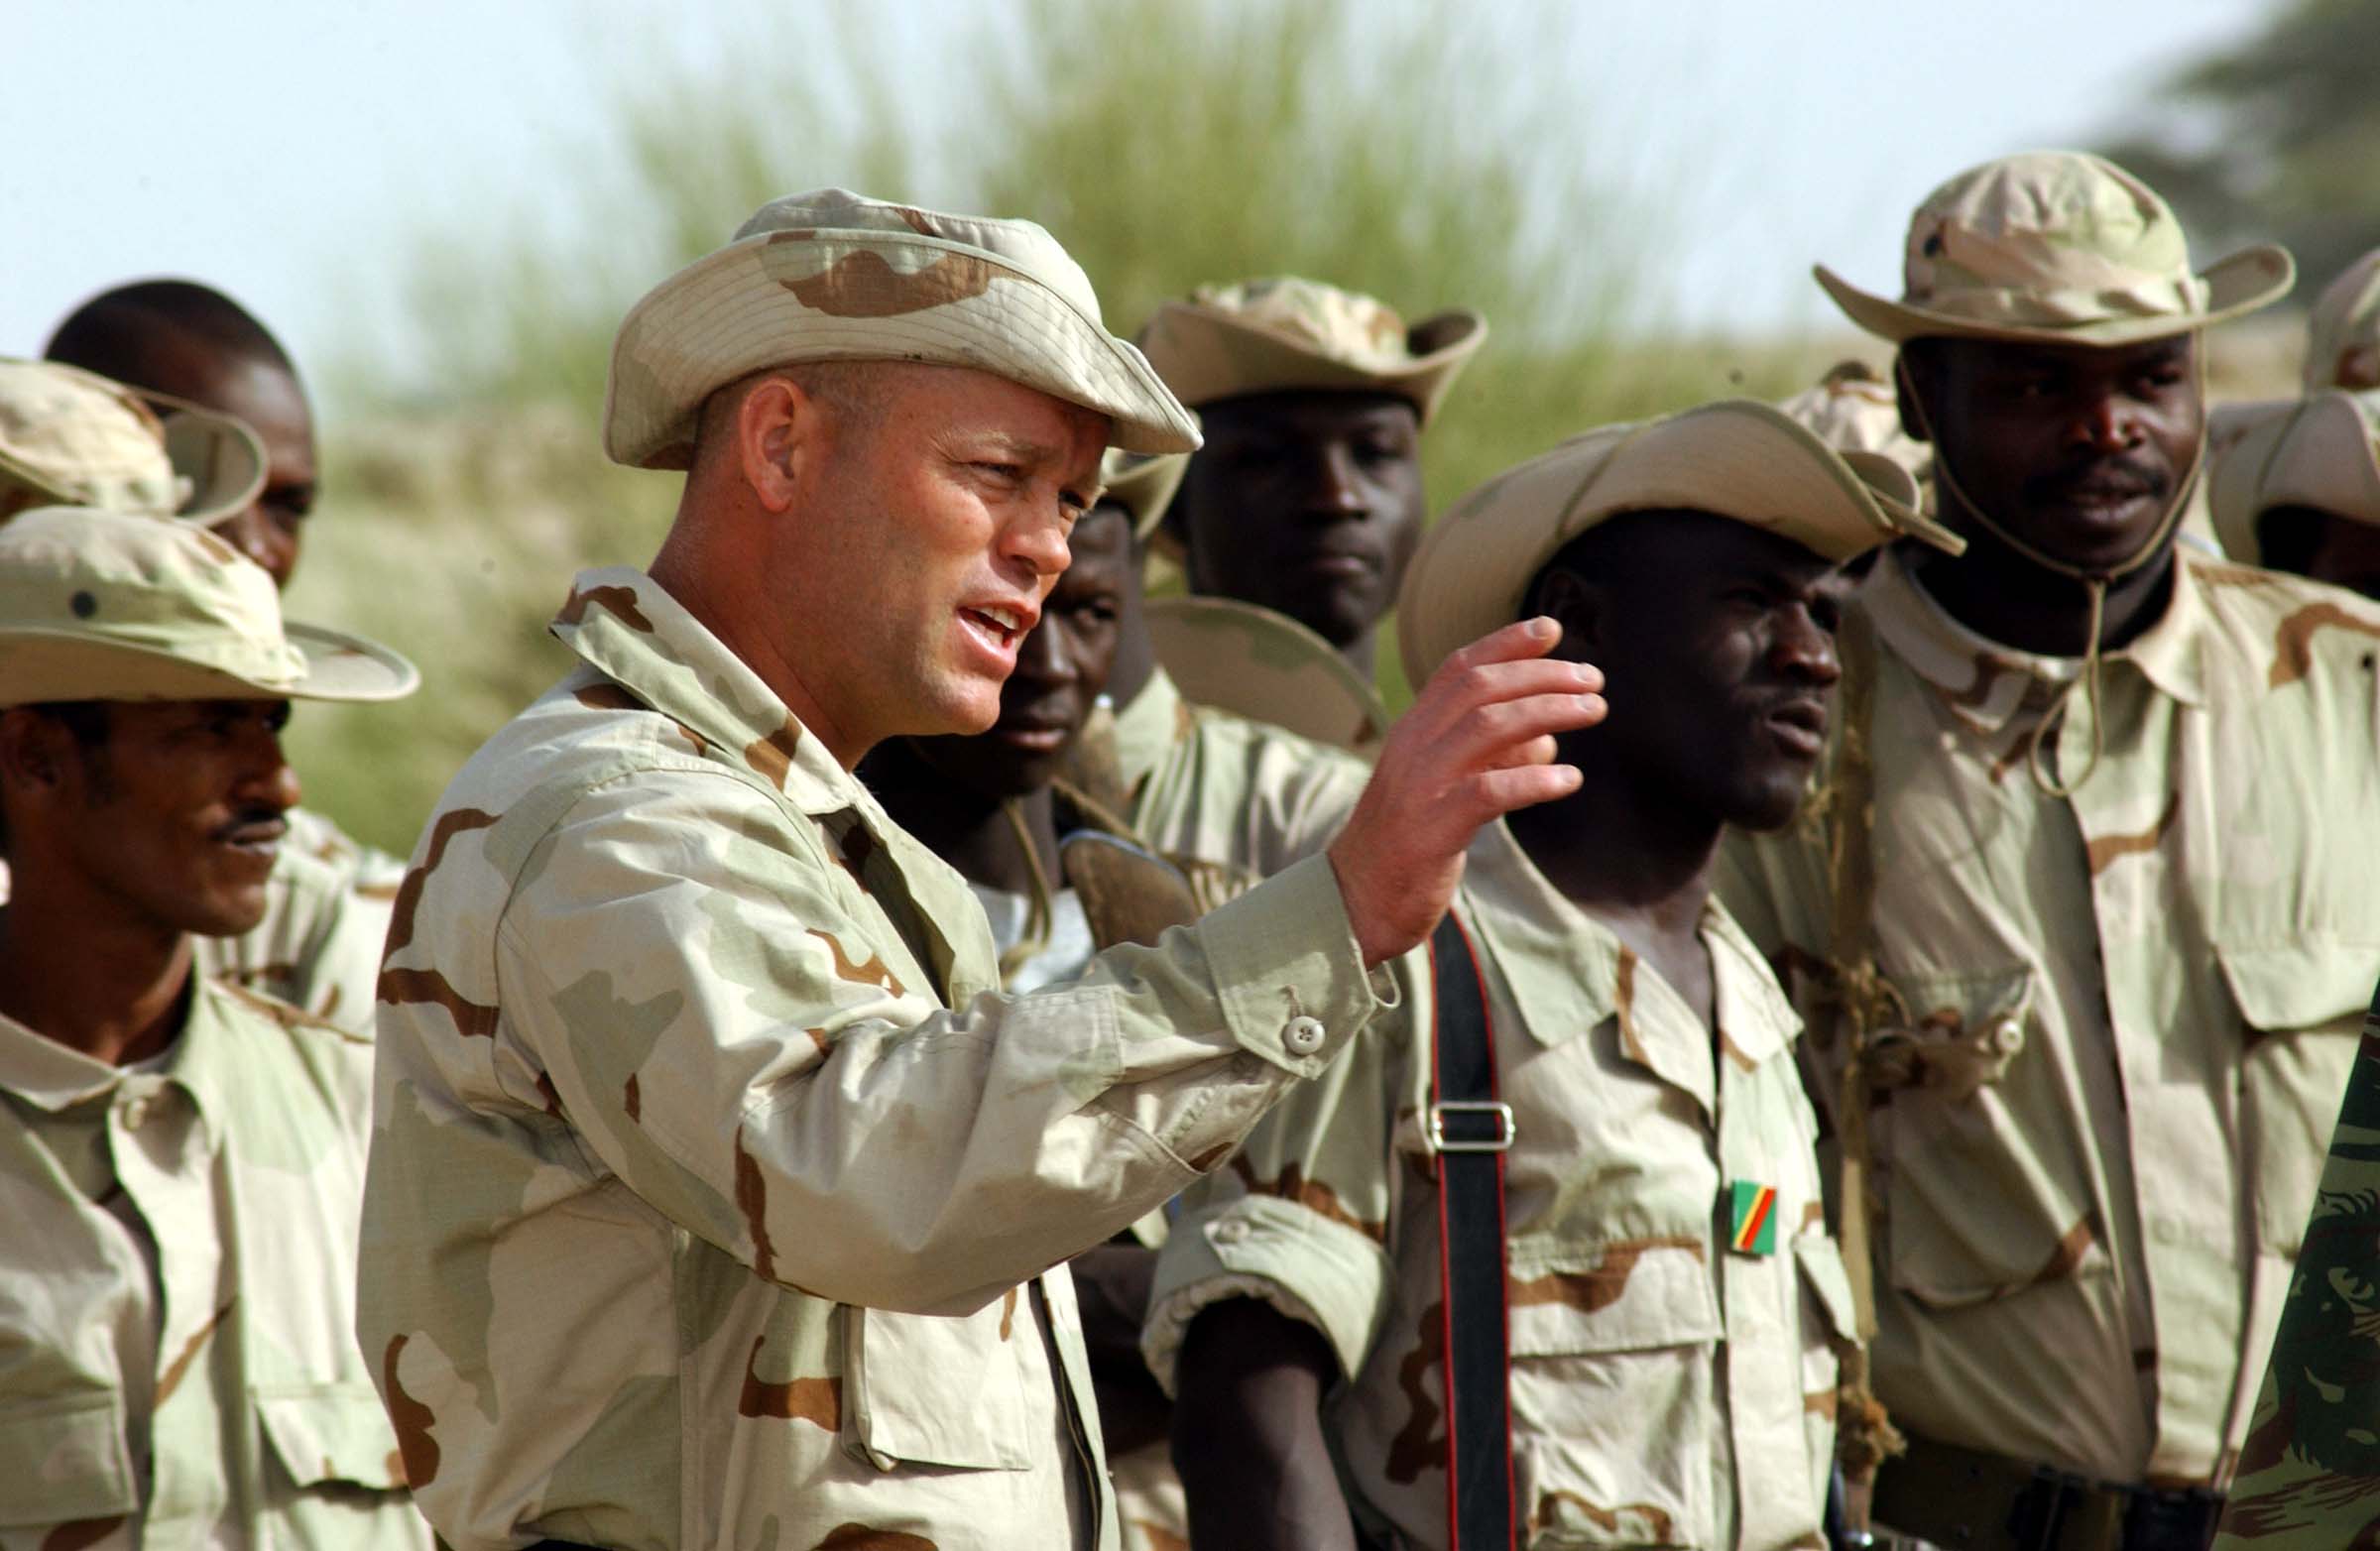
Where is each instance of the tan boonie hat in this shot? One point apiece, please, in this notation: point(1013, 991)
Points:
point(1285, 335)
point(1735, 458)
point(2055, 247)
point(1251, 662)
point(2343, 337)
point(72, 437)
point(1142, 483)
point(98, 605)
point(2323, 453)
point(835, 276)
point(1852, 411)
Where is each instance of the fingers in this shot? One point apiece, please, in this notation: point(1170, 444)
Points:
point(1501, 791)
point(1504, 734)
point(1517, 641)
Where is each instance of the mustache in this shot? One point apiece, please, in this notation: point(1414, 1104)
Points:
point(2118, 475)
point(249, 817)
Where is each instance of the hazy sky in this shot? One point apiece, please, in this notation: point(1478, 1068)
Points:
point(288, 153)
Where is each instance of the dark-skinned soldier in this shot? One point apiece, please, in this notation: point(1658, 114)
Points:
point(2084, 925)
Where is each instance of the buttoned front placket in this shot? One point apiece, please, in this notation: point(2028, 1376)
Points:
point(165, 1156)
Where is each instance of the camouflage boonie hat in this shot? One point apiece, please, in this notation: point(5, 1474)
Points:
point(1285, 333)
point(2323, 453)
point(1142, 483)
point(1735, 458)
point(98, 605)
point(2055, 247)
point(1852, 411)
point(1269, 668)
point(72, 437)
point(2343, 337)
point(835, 276)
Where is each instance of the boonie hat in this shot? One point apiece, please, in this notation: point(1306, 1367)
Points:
point(1142, 483)
point(1735, 458)
point(834, 276)
point(2343, 337)
point(101, 605)
point(1267, 667)
point(2057, 247)
point(1285, 333)
point(72, 437)
point(2325, 453)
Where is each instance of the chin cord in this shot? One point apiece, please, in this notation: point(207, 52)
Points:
point(2096, 583)
point(1039, 919)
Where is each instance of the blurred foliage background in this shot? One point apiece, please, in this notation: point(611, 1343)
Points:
point(1167, 143)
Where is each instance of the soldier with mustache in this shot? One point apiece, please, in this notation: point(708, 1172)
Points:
point(2082, 923)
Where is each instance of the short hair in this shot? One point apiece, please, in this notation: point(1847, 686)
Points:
point(1591, 555)
point(850, 389)
point(117, 333)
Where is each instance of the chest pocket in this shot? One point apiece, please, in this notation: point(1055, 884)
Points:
point(944, 1391)
point(1614, 1348)
point(63, 1459)
point(2301, 1005)
point(1983, 1200)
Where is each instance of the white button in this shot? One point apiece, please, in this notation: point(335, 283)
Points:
point(136, 1114)
point(2007, 1036)
point(1229, 1231)
point(1304, 1036)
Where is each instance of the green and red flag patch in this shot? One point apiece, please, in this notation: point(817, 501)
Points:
point(1751, 1217)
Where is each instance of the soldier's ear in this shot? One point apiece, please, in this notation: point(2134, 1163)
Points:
point(777, 426)
point(1578, 605)
point(34, 750)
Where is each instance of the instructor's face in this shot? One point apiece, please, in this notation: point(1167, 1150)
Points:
point(950, 510)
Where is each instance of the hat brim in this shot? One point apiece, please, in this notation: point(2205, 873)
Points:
point(223, 460)
point(2319, 454)
point(1769, 472)
point(1263, 361)
point(736, 311)
point(2239, 284)
point(42, 666)
point(1144, 485)
point(1265, 667)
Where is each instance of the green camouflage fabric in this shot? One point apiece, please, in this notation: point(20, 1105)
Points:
point(1665, 1390)
point(1852, 411)
point(833, 274)
point(2058, 247)
point(2122, 1018)
point(176, 1280)
point(2310, 1475)
point(1235, 799)
point(715, 1192)
point(1236, 657)
point(1287, 333)
point(2342, 337)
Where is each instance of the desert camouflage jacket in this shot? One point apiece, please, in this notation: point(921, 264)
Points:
point(2120, 1020)
point(177, 1363)
point(1668, 1387)
point(714, 1188)
point(1241, 795)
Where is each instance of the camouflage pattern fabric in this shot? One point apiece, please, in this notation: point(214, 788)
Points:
point(1236, 657)
point(180, 1265)
point(1852, 411)
point(2124, 1015)
point(1665, 1390)
point(1287, 333)
point(1230, 799)
point(317, 947)
point(2310, 1475)
point(71, 438)
point(712, 1180)
point(2322, 451)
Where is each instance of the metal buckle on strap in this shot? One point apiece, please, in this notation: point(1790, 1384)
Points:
point(1434, 1126)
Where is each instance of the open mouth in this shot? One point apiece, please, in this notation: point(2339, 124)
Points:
point(259, 837)
point(1001, 626)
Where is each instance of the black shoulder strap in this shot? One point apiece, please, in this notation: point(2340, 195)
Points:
point(1470, 1129)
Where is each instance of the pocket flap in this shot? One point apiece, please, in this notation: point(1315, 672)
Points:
point(66, 1461)
point(942, 1391)
point(2311, 982)
point(1628, 1295)
point(1821, 1262)
point(331, 1433)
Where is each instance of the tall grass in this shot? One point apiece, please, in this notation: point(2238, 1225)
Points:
point(1411, 149)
